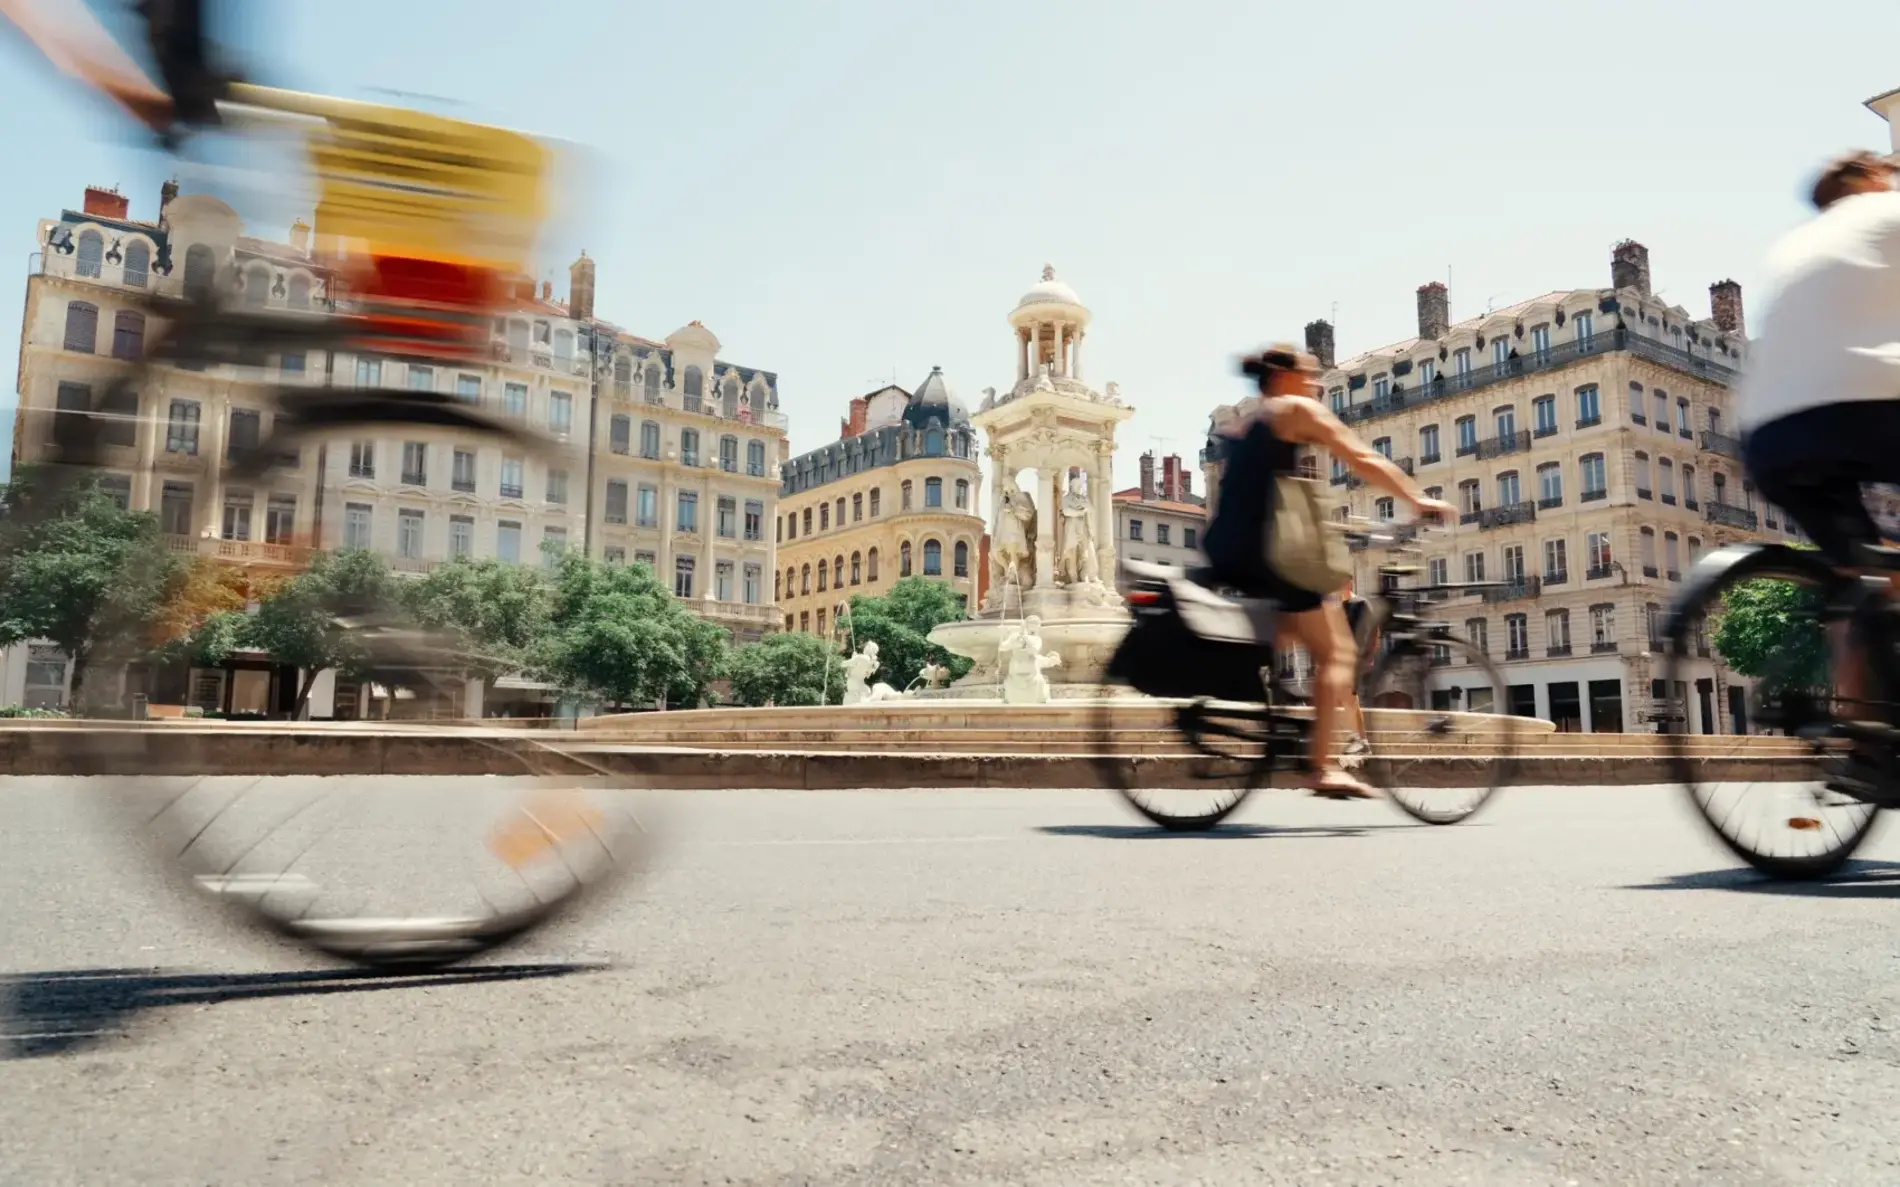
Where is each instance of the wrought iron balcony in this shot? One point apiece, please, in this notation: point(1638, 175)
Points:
point(1589, 422)
point(1510, 513)
point(1504, 443)
point(1557, 578)
point(1721, 443)
point(1597, 572)
point(1511, 653)
point(1430, 459)
point(1515, 589)
point(1607, 647)
point(1651, 571)
point(1557, 650)
point(1645, 494)
point(1673, 574)
point(1732, 517)
point(1690, 503)
point(1668, 500)
point(1550, 501)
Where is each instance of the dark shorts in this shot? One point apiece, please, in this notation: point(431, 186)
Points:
point(1813, 464)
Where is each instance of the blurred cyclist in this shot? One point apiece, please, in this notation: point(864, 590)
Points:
point(72, 38)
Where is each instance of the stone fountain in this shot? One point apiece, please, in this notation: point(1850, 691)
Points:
point(1052, 604)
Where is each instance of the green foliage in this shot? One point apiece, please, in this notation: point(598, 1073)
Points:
point(788, 669)
point(616, 635)
point(900, 623)
point(501, 612)
point(298, 624)
point(21, 712)
point(1771, 630)
point(79, 570)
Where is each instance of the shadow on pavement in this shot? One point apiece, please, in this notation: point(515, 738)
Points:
point(54, 1013)
point(1857, 879)
point(1224, 832)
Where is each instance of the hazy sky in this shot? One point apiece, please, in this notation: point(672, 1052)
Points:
point(850, 191)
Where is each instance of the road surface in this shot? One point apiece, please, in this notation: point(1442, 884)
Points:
point(983, 987)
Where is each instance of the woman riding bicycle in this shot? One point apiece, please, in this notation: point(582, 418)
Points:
point(1260, 447)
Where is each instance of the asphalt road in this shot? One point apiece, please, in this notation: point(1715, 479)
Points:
point(991, 988)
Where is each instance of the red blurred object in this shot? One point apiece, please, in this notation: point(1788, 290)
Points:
point(433, 308)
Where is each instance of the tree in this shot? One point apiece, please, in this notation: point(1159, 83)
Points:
point(500, 611)
point(900, 623)
point(1771, 630)
point(299, 625)
point(81, 571)
point(203, 618)
point(616, 635)
point(788, 669)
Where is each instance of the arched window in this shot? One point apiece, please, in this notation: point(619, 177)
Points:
point(201, 271)
point(732, 396)
point(933, 492)
point(824, 572)
point(933, 558)
point(824, 517)
point(518, 340)
point(256, 285)
point(857, 567)
point(870, 566)
point(564, 345)
point(138, 263)
point(962, 559)
point(653, 383)
point(804, 580)
point(874, 509)
point(82, 327)
point(903, 496)
point(299, 292)
point(791, 581)
point(128, 335)
point(623, 376)
point(92, 249)
point(695, 383)
point(837, 570)
point(903, 559)
point(777, 580)
point(963, 494)
point(933, 442)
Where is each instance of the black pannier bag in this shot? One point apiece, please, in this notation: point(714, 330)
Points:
point(1161, 657)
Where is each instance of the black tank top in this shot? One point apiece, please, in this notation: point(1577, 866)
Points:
point(1236, 540)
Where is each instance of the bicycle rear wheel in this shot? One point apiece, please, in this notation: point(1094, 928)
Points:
point(1442, 742)
point(1184, 766)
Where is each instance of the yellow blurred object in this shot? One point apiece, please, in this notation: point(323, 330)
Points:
point(541, 825)
point(405, 183)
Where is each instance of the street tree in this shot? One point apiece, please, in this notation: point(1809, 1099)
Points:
point(617, 636)
point(900, 623)
point(501, 612)
point(305, 623)
point(1771, 631)
point(788, 669)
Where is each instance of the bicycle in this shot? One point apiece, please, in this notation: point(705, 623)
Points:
point(443, 212)
point(1853, 761)
point(1209, 659)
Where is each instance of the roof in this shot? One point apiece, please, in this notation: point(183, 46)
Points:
point(1468, 324)
point(1132, 497)
point(1881, 98)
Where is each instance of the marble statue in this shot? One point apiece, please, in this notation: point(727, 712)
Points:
point(1022, 660)
point(934, 676)
point(1043, 381)
point(1013, 551)
point(1075, 537)
point(989, 400)
point(857, 677)
point(1112, 393)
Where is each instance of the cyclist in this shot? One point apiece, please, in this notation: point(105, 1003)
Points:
point(1259, 447)
point(72, 38)
point(1820, 399)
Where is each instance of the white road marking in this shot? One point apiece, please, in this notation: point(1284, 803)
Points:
point(795, 841)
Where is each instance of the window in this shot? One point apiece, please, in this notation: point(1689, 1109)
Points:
point(1636, 405)
point(1467, 430)
point(1592, 476)
point(1513, 558)
point(560, 413)
point(462, 474)
point(1550, 485)
point(1540, 343)
point(1461, 362)
point(870, 565)
point(415, 456)
point(616, 509)
point(1161, 533)
point(1507, 489)
point(1586, 327)
point(409, 534)
point(962, 560)
point(903, 495)
point(421, 379)
point(1662, 411)
point(729, 455)
point(726, 517)
point(649, 439)
point(1557, 632)
point(824, 517)
point(683, 577)
point(824, 575)
point(1666, 479)
point(1517, 636)
point(356, 525)
point(963, 494)
point(1556, 564)
point(874, 502)
point(468, 389)
point(291, 362)
point(648, 559)
point(181, 427)
point(614, 554)
point(514, 400)
point(1478, 631)
point(1428, 445)
point(1382, 509)
point(695, 387)
point(807, 521)
point(722, 581)
point(369, 373)
point(754, 584)
point(1597, 551)
point(1589, 411)
point(689, 447)
point(1688, 487)
point(933, 492)
point(299, 292)
point(1427, 372)
point(903, 559)
point(754, 520)
point(1500, 352)
point(1437, 571)
point(755, 458)
point(1469, 500)
point(564, 345)
point(1505, 419)
point(1639, 469)
point(857, 567)
point(1383, 447)
point(933, 558)
point(557, 486)
point(620, 435)
point(242, 436)
point(138, 263)
point(1544, 415)
point(686, 514)
point(201, 271)
point(1188, 539)
point(1338, 396)
point(1672, 558)
point(237, 515)
point(461, 536)
point(1646, 550)
point(1381, 386)
point(82, 327)
point(1603, 628)
point(840, 516)
point(92, 248)
point(804, 580)
point(542, 331)
point(174, 509)
point(1474, 566)
point(1682, 418)
point(1134, 529)
point(508, 541)
point(513, 484)
point(128, 335)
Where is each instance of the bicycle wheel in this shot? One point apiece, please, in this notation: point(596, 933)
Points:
point(1797, 829)
point(1186, 771)
point(1442, 742)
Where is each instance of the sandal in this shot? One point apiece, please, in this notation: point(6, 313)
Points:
point(1337, 785)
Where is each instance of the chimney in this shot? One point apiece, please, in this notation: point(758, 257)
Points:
point(1187, 484)
point(107, 203)
point(853, 425)
point(1725, 308)
point(1629, 267)
point(1319, 343)
point(580, 289)
point(1171, 478)
point(547, 290)
point(166, 193)
point(300, 236)
point(1148, 477)
point(1434, 311)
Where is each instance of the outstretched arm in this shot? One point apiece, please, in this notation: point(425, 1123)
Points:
point(74, 41)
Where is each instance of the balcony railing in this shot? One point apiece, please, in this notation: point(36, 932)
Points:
point(1651, 571)
point(1589, 422)
point(414, 478)
point(1689, 502)
point(1550, 501)
point(1606, 647)
point(1510, 513)
point(1729, 516)
point(1557, 578)
point(1557, 650)
point(1504, 443)
point(1514, 589)
point(1511, 653)
point(1430, 459)
point(1597, 572)
point(1721, 443)
point(1642, 493)
point(1668, 500)
point(1593, 496)
point(1673, 574)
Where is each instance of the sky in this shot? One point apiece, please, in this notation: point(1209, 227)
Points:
point(849, 192)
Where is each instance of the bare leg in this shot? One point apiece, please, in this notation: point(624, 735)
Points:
point(1324, 634)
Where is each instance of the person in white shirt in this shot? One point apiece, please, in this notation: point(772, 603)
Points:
point(1820, 398)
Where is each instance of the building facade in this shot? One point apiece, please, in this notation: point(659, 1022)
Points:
point(896, 496)
point(1161, 520)
point(660, 452)
point(1887, 107)
point(1588, 440)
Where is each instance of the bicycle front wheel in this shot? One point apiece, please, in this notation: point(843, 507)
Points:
point(1442, 739)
